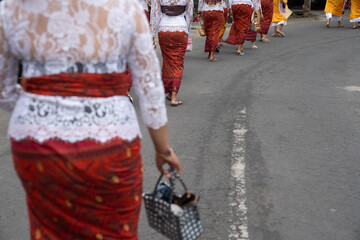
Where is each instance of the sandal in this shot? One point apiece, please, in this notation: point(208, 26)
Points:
point(275, 35)
point(240, 53)
point(340, 26)
point(213, 60)
point(176, 104)
point(168, 97)
point(282, 34)
point(265, 40)
point(327, 25)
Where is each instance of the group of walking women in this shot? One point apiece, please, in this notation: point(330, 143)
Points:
point(171, 21)
point(334, 10)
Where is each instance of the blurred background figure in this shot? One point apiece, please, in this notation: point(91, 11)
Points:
point(171, 20)
point(267, 7)
point(279, 19)
point(212, 13)
point(334, 11)
point(355, 13)
point(241, 10)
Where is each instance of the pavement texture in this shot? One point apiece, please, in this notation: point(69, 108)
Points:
point(301, 147)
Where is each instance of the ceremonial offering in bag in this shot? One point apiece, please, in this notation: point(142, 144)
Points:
point(255, 22)
point(174, 215)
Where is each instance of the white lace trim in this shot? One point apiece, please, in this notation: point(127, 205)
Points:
point(217, 7)
point(73, 119)
point(33, 69)
point(238, 2)
point(145, 5)
point(355, 20)
point(274, 24)
point(161, 22)
point(173, 29)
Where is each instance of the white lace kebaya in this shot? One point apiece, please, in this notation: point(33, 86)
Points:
point(65, 36)
point(161, 22)
point(145, 5)
point(203, 6)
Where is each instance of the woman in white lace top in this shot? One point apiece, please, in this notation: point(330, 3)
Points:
point(212, 13)
point(75, 136)
point(145, 4)
point(242, 10)
point(171, 21)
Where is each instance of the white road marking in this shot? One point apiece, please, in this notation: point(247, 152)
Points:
point(238, 228)
point(352, 88)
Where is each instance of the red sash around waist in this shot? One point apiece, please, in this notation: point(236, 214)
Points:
point(79, 84)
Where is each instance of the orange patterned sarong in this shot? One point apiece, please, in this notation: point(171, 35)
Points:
point(173, 48)
point(240, 27)
point(213, 21)
point(267, 10)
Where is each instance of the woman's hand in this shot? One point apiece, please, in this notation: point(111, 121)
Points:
point(170, 158)
point(164, 153)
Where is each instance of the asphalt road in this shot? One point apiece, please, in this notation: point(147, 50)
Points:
point(277, 129)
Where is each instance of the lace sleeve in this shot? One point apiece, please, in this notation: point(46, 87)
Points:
point(8, 72)
point(155, 17)
point(228, 3)
point(200, 5)
point(189, 14)
point(145, 72)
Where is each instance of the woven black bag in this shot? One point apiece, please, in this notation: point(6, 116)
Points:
point(187, 226)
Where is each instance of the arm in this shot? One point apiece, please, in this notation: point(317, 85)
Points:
point(200, 5)
point(228, 4)
point(189, 14)
point(155, 17)
point(8, 72)
point(145, 72)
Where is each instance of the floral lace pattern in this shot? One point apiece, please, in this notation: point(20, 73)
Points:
point(73, 118)
point(61, 36)
point(161, 22)
point(203, 6)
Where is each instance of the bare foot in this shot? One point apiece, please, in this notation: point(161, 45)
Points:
point(253, 46)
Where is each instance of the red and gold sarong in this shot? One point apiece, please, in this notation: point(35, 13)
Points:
point(173, 48)
point(213, 21)
point(86, 189)
point(251, 36)
point(223, 26)
point(267, 7)
point(240, 27)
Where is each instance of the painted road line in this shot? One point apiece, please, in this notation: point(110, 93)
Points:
point(352, 88)
point(238, 228)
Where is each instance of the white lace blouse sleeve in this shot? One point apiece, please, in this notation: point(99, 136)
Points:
point(256, 4)
point(155, 16)
point(228, 3)
point(200, 5)
point(8, 71)
point(145, 72)
point(189, 14)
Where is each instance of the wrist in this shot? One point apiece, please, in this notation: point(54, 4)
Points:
point(164, 152)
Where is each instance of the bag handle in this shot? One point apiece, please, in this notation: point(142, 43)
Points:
point(174, 175)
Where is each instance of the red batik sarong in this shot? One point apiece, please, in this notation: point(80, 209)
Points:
point(128, 78)
point(223, 26)
point(251, 36)
point(267, 10)
point(86, 189)
point(212, 23)
point(240, 27)
point(173, 48)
